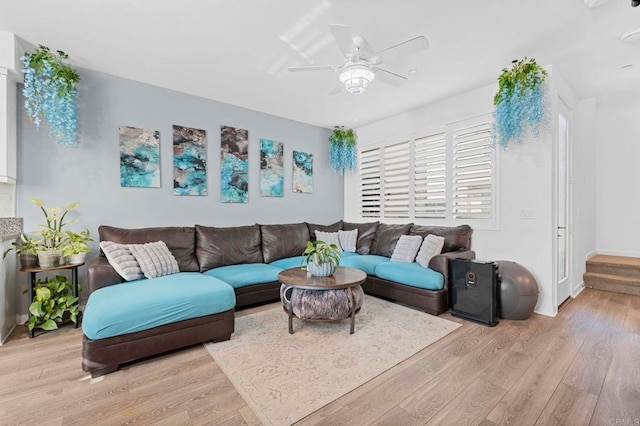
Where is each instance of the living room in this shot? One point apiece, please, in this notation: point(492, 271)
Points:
point(205, 73)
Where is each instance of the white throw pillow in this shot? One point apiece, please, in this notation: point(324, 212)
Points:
point(122, 260)
point(348, 240)
point(406, 248)
point(431, 246)
point(329, 238)
point(155, 259)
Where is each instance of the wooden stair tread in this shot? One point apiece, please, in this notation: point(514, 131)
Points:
point(615, 261)
point(609, 277)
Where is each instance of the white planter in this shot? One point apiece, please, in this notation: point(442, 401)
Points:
point(76, 258)
point(321, 270)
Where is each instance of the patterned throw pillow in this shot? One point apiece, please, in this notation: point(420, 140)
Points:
point(155, 259)
point(122, 260)
point(348, 240)
point(431, 246)
point(406, 248)
point(329, 238)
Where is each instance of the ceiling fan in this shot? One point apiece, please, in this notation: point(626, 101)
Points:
point(361, 63)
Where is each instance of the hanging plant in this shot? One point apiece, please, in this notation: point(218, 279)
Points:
point(343, 153)
point(520, 103)
point(50, 92)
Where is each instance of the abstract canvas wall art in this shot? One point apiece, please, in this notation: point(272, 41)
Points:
point(139, 157)
point(189, 161)
point(234, 165)
point(271, 168)
point(302, 172)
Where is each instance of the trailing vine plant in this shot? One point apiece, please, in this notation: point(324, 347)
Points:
point(343, 152)
point(51, 94)
point(520, 103)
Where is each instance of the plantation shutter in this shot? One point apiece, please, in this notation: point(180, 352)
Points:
point(472, 163)
point(370, 183)
point(396, 180)
point(430, 178)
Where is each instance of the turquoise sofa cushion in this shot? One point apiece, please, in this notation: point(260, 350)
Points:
point(143, 304)
point(365, 262)
point(411, 274)
point(290, 262)
point(245, 274)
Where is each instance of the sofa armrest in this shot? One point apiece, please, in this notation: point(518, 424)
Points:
point(101, 274)
point(440, 262)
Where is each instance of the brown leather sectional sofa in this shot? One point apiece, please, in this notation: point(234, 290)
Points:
point(200, 248)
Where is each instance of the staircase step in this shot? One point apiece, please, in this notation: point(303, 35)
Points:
point(614, 283)
point(614, 265)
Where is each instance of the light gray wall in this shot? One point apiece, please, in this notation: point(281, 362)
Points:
point(89, 174)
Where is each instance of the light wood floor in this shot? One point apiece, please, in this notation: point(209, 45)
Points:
point(582, 367)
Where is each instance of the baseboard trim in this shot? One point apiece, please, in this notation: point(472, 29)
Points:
point(7, 336)
point(22, 318)
point(577, 290)
point(590, 254)
point(620, 253)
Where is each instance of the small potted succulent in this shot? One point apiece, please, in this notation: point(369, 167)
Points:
point(322, 258)
point(26, 250)
point(75, 246)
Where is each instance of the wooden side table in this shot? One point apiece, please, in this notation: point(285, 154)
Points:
point(32, 283)
point(343, 279)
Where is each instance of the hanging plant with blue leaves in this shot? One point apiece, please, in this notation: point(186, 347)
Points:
point(51, 94)
point(343, 152)
point(520, 103)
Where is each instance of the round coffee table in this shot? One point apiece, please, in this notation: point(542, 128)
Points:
point(314, 298)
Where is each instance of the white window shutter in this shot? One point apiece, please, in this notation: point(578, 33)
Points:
point(396, 180)
point(430, 176)
point(370, 188)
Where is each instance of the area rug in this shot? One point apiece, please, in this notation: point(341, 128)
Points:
point(285, 377)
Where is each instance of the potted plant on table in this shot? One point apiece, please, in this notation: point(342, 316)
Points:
point(75, 246)
point(50, 249)
point(53, 299)
point(322, 258)
point(26, 250)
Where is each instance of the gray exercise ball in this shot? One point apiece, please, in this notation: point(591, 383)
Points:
point(518, 291)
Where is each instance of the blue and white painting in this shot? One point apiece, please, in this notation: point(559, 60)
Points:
point(189, 161)
point(234, 165)
point(302, 172)
point(139, 157)
point(271, 168)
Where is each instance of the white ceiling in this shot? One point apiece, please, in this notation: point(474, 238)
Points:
point(238, 51)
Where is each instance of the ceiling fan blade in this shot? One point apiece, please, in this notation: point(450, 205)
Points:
point(389, 77)
point(344, 38)
point(337, 88)
point(405, 48)
point(315, 68)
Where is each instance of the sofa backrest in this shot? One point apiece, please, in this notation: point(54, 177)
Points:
point(456, 238)
point(281, 241)
point(366, 232)
point(386, 238)
point(181, 241)
point(227, 246)
point(334, 227)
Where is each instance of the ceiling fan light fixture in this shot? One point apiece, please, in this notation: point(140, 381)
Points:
point(356, 79)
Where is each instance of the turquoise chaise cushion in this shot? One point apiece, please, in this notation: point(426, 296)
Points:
point(411, 274)
point(143, 304)
point(246, 274)
point(365, 262)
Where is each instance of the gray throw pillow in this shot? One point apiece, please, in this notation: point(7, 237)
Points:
point(155, 259)
point(122, 260)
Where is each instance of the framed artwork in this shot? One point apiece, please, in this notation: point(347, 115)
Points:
point(139, 157)
point(234, 165)
point(271, 168)
point(302, 172)
point(189, 161)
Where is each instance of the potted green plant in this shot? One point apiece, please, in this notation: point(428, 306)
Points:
point(26, 250)
point(52, 299)
point(75, 246)
point(322, 258)
point(50, 248)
